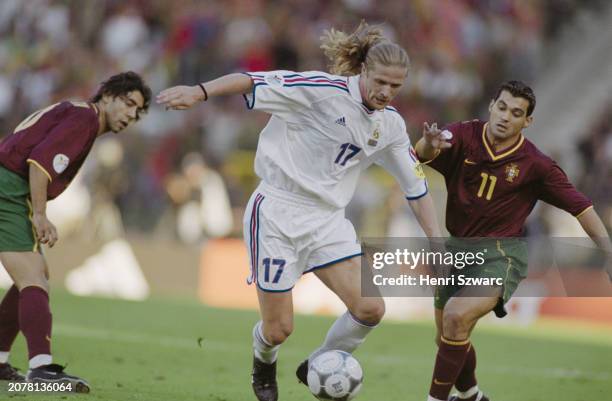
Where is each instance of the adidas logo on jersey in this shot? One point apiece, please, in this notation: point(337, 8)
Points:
point(341, 121)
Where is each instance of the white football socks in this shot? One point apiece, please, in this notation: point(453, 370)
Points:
point(40, 360)
point(467, 394)
point(261, 348)
point(346, 334)
point(4, 356)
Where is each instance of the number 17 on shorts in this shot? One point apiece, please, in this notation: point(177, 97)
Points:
point(278, 264)
point(270, 254)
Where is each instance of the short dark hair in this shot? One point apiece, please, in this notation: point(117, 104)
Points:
point(518, 89)
point(121, 84)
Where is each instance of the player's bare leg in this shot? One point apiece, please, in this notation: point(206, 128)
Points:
point(26, 269)
point(269, 333)
point(30, 274)
point(454, 325)
point(364, 313)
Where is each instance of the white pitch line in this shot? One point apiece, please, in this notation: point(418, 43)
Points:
point(382, 360)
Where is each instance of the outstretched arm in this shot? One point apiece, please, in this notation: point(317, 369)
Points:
point(594, 227)
point(183, 97)
point(400, 161)
point(423, 209)
point(432, 142)
point(556, 189)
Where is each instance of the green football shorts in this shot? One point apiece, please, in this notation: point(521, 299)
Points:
point(504, 259)
point(16, 230)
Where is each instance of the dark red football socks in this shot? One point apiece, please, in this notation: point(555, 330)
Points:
point(467, 377)
point(35, 320)
point(9, 319)
point(449, 361)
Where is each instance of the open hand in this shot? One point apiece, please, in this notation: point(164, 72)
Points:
point(180, 97)
point(436, 138)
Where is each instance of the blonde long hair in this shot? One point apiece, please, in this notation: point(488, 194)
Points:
point(366, 45)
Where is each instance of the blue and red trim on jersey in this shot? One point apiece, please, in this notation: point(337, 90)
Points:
point(367, 109)
point(413, 155)
point(372, 111)
point(391, 108)
point(319, 78)
point(301, 80)
point(291, 80)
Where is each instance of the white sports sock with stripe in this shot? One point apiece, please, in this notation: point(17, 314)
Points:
point(346, 334)
point(261, 348)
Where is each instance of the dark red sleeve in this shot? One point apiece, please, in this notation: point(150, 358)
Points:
point(556, 189)
point(65, 142)
point(448, 158)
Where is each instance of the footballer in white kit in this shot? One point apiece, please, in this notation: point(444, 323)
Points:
point(323, 131)
point(319, 139)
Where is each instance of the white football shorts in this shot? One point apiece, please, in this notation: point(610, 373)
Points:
point(288, 235)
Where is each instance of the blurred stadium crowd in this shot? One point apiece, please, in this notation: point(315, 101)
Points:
point(189, 174)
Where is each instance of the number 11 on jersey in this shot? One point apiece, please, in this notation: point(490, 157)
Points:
point(486, 177)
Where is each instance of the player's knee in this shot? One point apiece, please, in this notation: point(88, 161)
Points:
point(370, 311)
point(455, 324)
point(33, 281)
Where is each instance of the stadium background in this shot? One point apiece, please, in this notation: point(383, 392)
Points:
point(156, 212)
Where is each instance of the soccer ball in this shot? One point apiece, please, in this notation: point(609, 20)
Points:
point(335, 375)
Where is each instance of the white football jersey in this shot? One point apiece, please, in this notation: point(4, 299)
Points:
point(321, 136)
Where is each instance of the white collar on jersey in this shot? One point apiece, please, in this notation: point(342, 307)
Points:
point(353, 87)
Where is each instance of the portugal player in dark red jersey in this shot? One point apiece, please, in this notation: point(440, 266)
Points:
point(494, 177)
point(37, 162)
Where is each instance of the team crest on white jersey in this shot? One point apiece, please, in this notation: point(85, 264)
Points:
point(60, 162)
point(375, 135)
point(275, 80)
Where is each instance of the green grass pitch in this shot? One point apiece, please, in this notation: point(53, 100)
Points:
point(180, 350)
